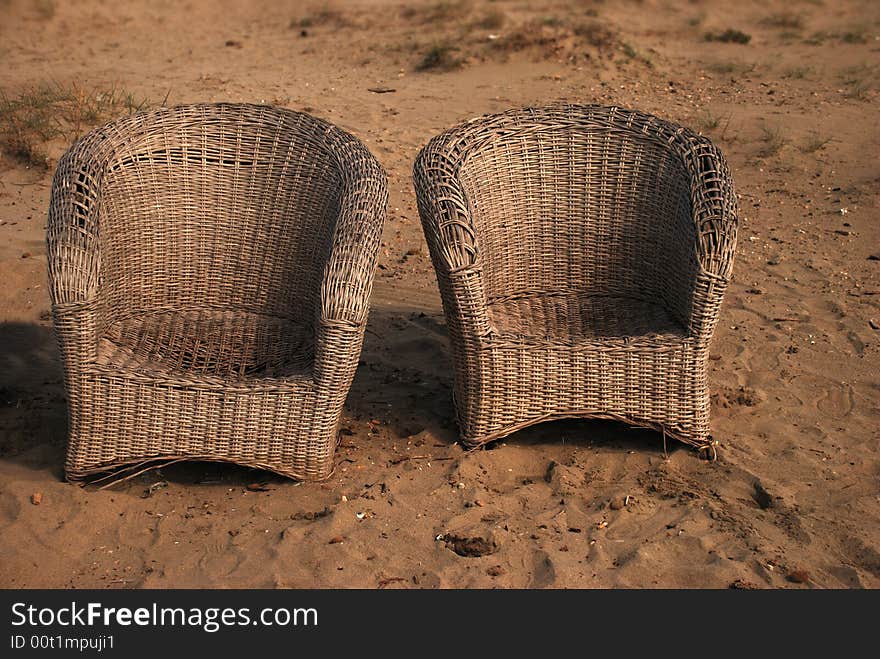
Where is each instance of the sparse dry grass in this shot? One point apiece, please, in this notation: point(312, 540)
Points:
point(708, 120)
point(817, 38)
point(633, 54)
point(722, 66)
point(772, 141)
point(729, 36)
point(814, 142)
point(38, 115)
point(321, 17)
point(595, 33)
point(439, 12)
point(629, 50)
point(858, 80)
point(731, 67)
point(854, 37)
point(786, 20)
point(798, 72)
point(556, 37)
point(492, 20)
point(45, 9)
point(440, 57)
point(858, 89)
point(455, 35)
point(551, 21)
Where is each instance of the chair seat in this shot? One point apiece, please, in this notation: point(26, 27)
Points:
point(571, 319)
point(208, 343)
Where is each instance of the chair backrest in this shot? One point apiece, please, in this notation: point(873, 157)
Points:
point(572, 203)
point(217, 206)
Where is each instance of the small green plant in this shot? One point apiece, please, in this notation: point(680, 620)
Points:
point(729, 36)
point(439, 57)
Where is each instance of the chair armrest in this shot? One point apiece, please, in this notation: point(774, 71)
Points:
point(451, 237)
point(73, 252)
point(714, 206)
point(347, 280)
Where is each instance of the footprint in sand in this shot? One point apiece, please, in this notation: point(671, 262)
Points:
point(220, 561)
point(833, 399)
point(543, 571)
point(10, 509)
point(836, 401)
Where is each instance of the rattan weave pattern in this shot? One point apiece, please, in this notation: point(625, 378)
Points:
point(210, 270)
point(582, 253)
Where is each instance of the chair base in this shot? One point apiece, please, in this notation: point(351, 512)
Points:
point(504, 387)
point(110, 474)
point(120, 422)
point(701, 443)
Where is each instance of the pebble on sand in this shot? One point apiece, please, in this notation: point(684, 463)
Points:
point(37, 498)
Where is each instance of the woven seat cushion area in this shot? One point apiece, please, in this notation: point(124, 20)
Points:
point(581, 318)
point(208, 343)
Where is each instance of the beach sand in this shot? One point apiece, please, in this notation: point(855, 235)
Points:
point(794, 497)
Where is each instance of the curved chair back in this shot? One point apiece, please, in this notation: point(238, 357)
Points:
point(213, 206)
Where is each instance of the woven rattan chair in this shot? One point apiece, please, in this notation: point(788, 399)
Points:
point(210, 270)
point(582, 253)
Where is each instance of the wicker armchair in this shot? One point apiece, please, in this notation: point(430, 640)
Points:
point(210, 270)
point(582, 253)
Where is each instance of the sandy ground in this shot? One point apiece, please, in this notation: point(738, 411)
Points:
point(793, 500)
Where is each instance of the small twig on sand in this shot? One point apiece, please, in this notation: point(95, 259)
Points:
point(404, 458)
point(389, 580)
